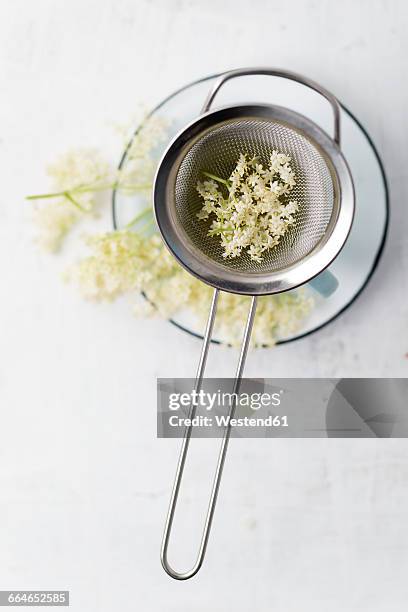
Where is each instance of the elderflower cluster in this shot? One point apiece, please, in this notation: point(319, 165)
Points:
point(71, 198)
point(134, 262)
point(118, 264)
point(77, 168)
point(53, 221)
point(250, 211)
point(80, 176)
point(126, 262)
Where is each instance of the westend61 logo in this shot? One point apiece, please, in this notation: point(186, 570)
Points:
point(285, 407)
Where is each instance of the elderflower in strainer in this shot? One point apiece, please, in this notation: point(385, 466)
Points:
point(252, 210)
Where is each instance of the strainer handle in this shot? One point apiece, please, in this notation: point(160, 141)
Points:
point(286, 74)
point(223, 450)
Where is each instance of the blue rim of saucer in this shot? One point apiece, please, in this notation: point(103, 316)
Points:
point(376, 258)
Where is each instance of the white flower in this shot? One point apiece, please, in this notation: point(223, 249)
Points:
point(241, 165)
point(251, 209)
point(79, 176)
point(54, 220)
point(76, 178)
point(126, 262)
point(79, 168)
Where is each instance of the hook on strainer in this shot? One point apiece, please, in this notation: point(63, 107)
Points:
point(325, 194)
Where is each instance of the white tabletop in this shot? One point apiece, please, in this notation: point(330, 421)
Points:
point(301, 524)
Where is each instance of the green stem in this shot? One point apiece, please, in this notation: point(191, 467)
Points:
point(74, 202)
point(81, 189)
point(87, 189)
point(43, 196)
point(218, 179)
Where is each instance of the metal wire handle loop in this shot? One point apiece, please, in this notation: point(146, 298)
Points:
point(286, 74)
point(223, 450)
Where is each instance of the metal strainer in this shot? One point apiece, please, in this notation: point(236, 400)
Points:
point(324, 192)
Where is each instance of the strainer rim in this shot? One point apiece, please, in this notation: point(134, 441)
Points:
point(232, 280)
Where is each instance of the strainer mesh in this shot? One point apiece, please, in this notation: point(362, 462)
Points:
point(217, 152)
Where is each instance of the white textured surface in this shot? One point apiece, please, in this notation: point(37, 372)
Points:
point(301, 525)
